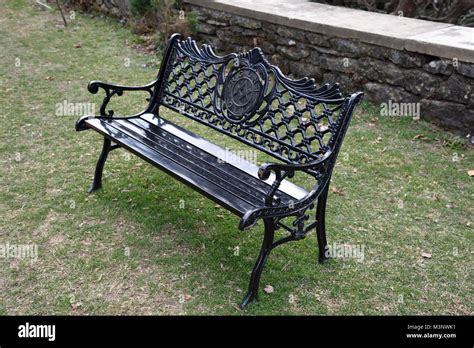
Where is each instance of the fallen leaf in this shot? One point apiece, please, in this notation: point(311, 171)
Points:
point(268, 289)
point(337, 191)
point(426, 255)
point(76, 305)
point(419, 136)
point(376, 141)
point(470, 172)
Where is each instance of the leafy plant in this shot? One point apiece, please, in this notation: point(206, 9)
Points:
point(139, 8)
point(163, 17)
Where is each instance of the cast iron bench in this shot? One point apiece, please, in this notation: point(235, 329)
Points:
point(246, 98)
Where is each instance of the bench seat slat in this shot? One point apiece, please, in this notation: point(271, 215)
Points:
point(287, 187)
point(197, 163)
point(237, 206)
point(230, 185)
point(210, 164)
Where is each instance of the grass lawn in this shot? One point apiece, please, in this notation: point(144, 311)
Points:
point(146, 244)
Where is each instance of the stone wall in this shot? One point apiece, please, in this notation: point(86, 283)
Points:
point(443, 87)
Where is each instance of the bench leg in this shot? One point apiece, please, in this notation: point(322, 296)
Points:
point(97, 183)
point(257, 269)
point(321, 225)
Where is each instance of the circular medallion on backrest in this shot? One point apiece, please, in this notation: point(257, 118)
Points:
point(242, 93)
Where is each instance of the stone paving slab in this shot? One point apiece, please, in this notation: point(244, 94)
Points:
point(437, 39)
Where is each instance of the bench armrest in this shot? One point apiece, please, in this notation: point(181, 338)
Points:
point(283, 171)
point(265, 169)
point(114, 89)
point(111, 90)
point(282, 210)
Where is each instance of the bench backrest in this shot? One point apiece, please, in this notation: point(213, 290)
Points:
point(249, 99)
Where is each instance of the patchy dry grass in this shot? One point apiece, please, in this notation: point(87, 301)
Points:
point(402, 190)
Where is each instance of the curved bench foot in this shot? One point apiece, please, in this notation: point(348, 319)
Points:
point(321, 226)
point(252, 292)
point(250, 297)
point(97, 182)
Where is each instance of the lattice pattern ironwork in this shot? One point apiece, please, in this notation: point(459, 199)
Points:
point(246, 97)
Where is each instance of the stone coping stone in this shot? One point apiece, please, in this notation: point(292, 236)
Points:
point(414, 35)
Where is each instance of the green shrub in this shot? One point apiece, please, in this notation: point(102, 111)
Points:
point(139, 8)
point(162, 17)
point(193, 21)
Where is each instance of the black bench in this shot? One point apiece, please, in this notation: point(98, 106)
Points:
point(244, 97)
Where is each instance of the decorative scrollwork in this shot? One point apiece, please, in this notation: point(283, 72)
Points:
point(321, 169)
point(242, 94)
point(111, 90)
point(245, 96)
